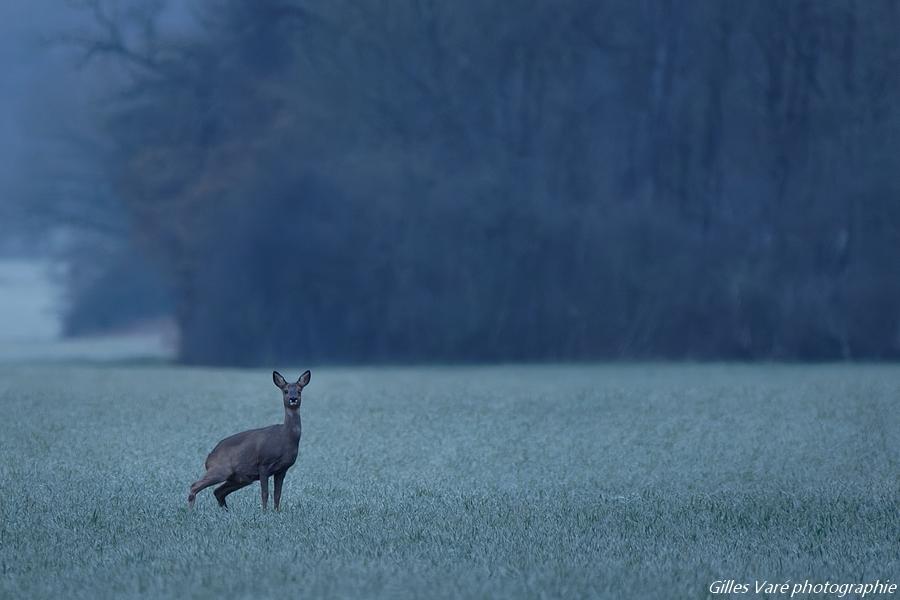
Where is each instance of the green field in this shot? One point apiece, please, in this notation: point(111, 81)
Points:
point(643, 481)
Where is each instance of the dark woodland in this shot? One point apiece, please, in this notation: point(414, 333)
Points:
point(430, 181)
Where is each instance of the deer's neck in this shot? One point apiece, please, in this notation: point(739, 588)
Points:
point(292, 423)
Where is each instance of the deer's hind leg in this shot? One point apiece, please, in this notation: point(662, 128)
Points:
point(212, 477)
point(226, 488)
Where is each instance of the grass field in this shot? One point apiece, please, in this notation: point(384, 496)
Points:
point(616, 481)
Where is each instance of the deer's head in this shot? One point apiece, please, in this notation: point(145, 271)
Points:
point(291, 391)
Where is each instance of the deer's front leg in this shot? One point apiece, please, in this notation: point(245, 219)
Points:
point(264, 488)
point(279, 479)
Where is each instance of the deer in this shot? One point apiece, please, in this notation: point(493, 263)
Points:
point(257, 454)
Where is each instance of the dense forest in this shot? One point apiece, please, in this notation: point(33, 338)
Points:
point(423, 180)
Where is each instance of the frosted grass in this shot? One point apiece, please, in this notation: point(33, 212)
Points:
point(547, 481)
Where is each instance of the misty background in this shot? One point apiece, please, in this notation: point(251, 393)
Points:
point(418, 180)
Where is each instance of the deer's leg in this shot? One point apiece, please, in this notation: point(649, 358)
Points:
point(264, 488)
point(279, 479)
point(226, 488)
point(210, 478)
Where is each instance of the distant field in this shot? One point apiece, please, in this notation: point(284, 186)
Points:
point(29, 300)
point(30, 322)
point(617, 481)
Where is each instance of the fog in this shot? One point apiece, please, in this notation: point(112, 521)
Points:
point(420, 181)
point(20, 64)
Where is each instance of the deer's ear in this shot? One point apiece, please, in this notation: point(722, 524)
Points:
point(304, 379)
point(279, 380)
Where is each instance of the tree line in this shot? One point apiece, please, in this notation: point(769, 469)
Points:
point(418, 180)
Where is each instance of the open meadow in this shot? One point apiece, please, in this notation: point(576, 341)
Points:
point(625, 481)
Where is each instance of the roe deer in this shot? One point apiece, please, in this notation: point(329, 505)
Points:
point(243, 458)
